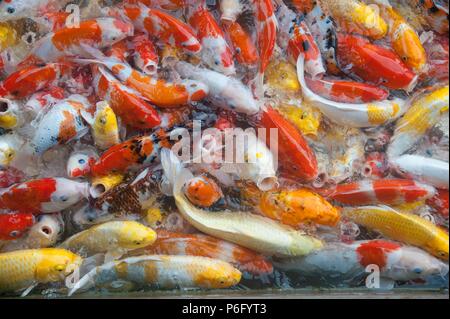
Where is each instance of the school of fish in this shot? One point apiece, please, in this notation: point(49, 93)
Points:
point(221, 144)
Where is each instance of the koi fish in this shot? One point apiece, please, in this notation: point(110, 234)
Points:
point(10, 114)
point(159, 92)
point(125, 102)
point(115, 238)
point(295, 37)
point(18, 9)
point(46, 195)
point(61, 124)
point(162, 271)
point(240, 41)
point(21, 269)
point(27, 81)
point(224, 91)
point(46, 231)
point(163, 27)
point(80, 162)
point(135, 152)
point(292, 207)
point(348, 262)
point(408, 228)
point(202, 191)
point(170, 243)
point(292, 146)
point(13, 226)
point(356, 17)
point(384, 191)
point(255, 232)
point(145, 56)
point(353, 115)
point(98, 33)
point(373, 63)
point(347, 91)
point(105, 129)
point(11, 144)
point(427, 170)
point(423, 114)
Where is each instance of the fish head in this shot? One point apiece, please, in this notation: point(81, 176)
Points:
point(114, 30)
point(218, 275)
point(80, 162)
point(439, 246)
point(410, 263)
point(56, 264)
point(102, 184)
point(134, 235)
point(46, 231)
point(66, 194)
point(105, 121)
point(203, 191)
point(9, 118)
point(12, 10)
point(13, 226)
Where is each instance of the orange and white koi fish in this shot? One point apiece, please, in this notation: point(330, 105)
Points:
point(224, 91)
point(18, 9)
point(215, 53)
point(353, 16)
point(98, 33)
point(158, 91)
point(162, 271)
point(384, 191)
point(162, 26)
point(47, 195)
point(245, 51)
point(125, 102)
point(170, 243)
point(203, 191)
point(295, 37)
point(374, 63)
point(347, 91)
point(353, 115)
point(133, 153)
point(61, 124)
point(427, 170)
point(29, 80)
point(348, 262)
point(145, 56)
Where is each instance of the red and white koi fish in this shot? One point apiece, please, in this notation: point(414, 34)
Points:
point(97, 33)
point(158, 91)
point(224, 91)
point(133, 153)
point(215, 53)
point(125, 102)
point(61, 124)
point(427, 170)
point(13, 226)
point(384, 191)
point(80, 162)
point(170, 243)
point(295, 37)
point(145, 55)
point(347, 91)
point(29, 80)
point(18, 9)
point(162, 26)
point(348, 262)
point(353, 115)
point(46, 195)
point(241, 42)
point(373, 63)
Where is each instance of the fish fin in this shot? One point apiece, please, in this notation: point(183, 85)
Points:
point(87, 281)
point(87, 117)
point(113, 255)
point(27, 291)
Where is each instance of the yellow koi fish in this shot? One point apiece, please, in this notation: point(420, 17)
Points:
point(105, 128)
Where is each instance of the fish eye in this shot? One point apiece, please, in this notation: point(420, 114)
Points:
point(81, 161)
point(418, 270)
point(14, 233)
point(217, 62)
point(10, 10)
point(39, 218)
point(442, 254)
point(60, 268)
point(64, 198)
